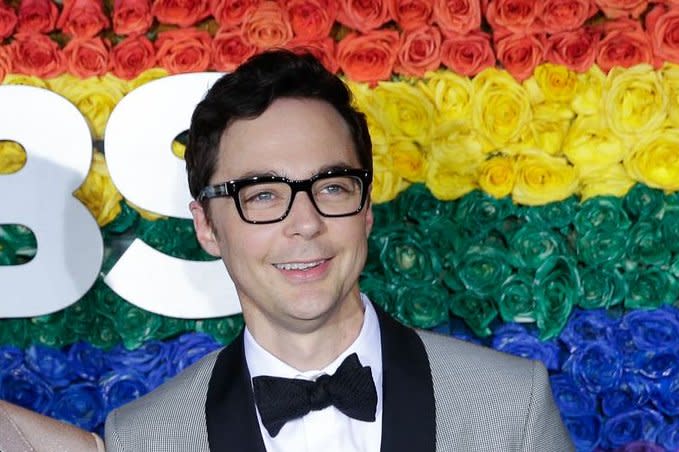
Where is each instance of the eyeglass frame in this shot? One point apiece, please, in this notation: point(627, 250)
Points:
point(230, 189)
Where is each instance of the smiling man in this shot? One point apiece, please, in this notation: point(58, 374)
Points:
point(280, 167)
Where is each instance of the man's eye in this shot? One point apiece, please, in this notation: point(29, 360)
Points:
point(260, 197)
point(334, 189)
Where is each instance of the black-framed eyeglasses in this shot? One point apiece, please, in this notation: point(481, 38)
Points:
point(268, 199)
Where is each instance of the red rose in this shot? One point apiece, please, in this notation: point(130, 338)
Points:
point(5, 62)
point(419, 51)
point(518, 16)
point(132, 56)
point(229, 13)
point(322, 49)
point(662, 25)
point(562, 15)
point(624, 44)
point(467, 54)
point(132, 17)
point(520, 54)
point(230, 49)
point(82, 18)
point(311, 20)
point(36, 54)
point(575, 49)
point(183, 50)
point(183, 13)
point(411, 14)
point(87, 57)
point(369, 57)
point(457, 16)
point(267, 26)
point(363, 15)
point(622, 8)
point(39, 16)
point(8, 20)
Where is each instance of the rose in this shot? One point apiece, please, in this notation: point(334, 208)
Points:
point(145, 77)
point(625, 427)
point(587, 100)
point(624, 44)
point(98, 193)
point(556, 290)
point(132, 56)
point(406, 112)
point(467, 54)
point(653, 159)
point(51, 364)
point(378, 290)
point(517, 16)
point(587, 327)
point(122, 386)
point(408, 160)
point(669, 227)
point(515, 340)
point(645, 243)
point(369, 57)
point(87, 361)
point(417, 205)
point(323, 49)
point(555, 83)
point(602, 288)
point(386, 184)
point(543, 178)
point(497, 176)
point(223, 330)
point(661, 23)
point(576, 49)
point(419, 51)
point(483, 268)
point(183, 50)
point(311, 20)
point(596, 367)
point(421, 305)
point(656, 329)
point(657, 365)
point(87, 57)
point(649, 288)
point(37, 16)
point(599, 247)
point(363, 16)
point(17, 246)
point(590, 145)
point(632, 391)
point(229, 50)
point(132, 17)
point(24, 387)
point(80, 404)
point(585, 430)
point(640, 446)
point(571, 398)
point(5, 62)
point(555, 215)
point(36, 54)
point(267, 26)
point(520, 53)
point(643, 202)
point(668, 437)
point(10, 357)
point(612, 180)
point(150, 360)
point(450, 93)
point(411, 14)
point(477, 312)
point(82, 18)
point(670, 79)
point(135, 325)
point(622, 8)
point(230, 13)
point(12, 156)
point(189, 348)
point(183, 13)
point(515, 299)
point(457, 16)
point(173, 236)
point(478, 212)
point(547, 129)
point(564, 15)
point(8, 20)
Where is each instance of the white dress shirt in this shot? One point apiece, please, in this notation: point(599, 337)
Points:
point(326, 430)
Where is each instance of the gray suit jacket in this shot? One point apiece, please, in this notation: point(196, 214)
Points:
point(440, 394)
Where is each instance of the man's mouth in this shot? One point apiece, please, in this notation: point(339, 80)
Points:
point(299, 265)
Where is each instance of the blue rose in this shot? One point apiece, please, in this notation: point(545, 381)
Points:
point(666, 395)
point(10, 357)
point(585, 430)
point(189, 348)
point(586, 327)
point(571, 398)
point(597, 367)
point(630, 426)
point(669, 436)
point(24, 387)
point(654, 329)
point(640, 446)
point(632, 391)
point(656, 364)
point(87, 361)
point(150, 360)
point(119, 387)
point(80, 404)
point(50, 363)
point(514, 339)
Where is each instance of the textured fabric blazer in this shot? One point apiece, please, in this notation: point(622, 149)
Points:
point(440, 394)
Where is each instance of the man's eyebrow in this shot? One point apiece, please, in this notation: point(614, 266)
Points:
point(323, 169)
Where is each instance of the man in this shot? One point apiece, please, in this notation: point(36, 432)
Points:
point(280, 166)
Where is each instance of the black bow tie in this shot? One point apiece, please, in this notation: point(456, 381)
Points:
point(351, 390)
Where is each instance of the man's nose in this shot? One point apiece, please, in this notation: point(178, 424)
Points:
point(303, 219)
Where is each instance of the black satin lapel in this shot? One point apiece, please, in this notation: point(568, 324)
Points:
point(230, 408)
point(409, 411)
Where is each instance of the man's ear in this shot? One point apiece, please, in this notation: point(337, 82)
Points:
point(204, 233)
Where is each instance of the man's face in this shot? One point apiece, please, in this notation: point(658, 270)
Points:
point(296, 139)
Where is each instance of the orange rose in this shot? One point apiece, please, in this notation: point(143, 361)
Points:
point(575, 49)
point(8, 20)
point(311, 20)
point(87, 57)
point(229, 50)
point(322, 49)
point(132, 17)
point(5, 62)
point(624, 44)
point(622, 8)
point(467, 54)
point(363, 15)
point(457, 16)
point(419, 51)
point(38, 16)
point(562, 15)
point(369, 57)
point(36, 54)
point(183, 13)
point(132, 56)
point(183, 50)
point(663, 28)
point(518, 16)
point(82, 18)
point(267, 26)
point(229, 13)
point(411, 14)
point(520, 54)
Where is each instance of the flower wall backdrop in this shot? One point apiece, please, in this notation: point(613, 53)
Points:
point(526, 176)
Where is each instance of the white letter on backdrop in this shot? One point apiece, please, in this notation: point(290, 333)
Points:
point(58, 149)
point(138, 141)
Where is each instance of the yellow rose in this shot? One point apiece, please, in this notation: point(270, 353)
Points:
point(405, 111)
point(145, 214)
point(590, 144)
point(28, 80)
point(654, 160)
point(670, 80)
point(364, 101)
point(500, 109)
point(408, 160)
point(98, 192)
point(550, 126)
point(497, 175)
point(543, 178)
point(12, 157)
point(450, 93)
point(610, 180)
point(635, 103)
point(145, 77)
point(387, 184)
point(588, 93)
point(552, 83)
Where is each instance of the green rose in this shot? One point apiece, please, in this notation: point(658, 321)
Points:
point(379, 291)
point(556, 289)
point(645, 243)
point(125, 221)
point(52, 330)
point(602, 288)
point(601, 246)
point(421, 305)
point(14, 332)
point(602, 213)
point(555, 215)
point(448, 235)
point(223, 329)
point(172, 326)
point(384, 215)
point(103, 333)
point(531, 246)
point(476, 311)
point(17, 244)
point(674, 266)
point(669, 228)
point(643, 201)
point(173, 236)
point(479, 212)
point(515, 300)
point(649, 288)
point(483, 268)
point(418, 205)
point(135, 325)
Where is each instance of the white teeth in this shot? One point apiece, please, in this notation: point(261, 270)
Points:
point(298, 266)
